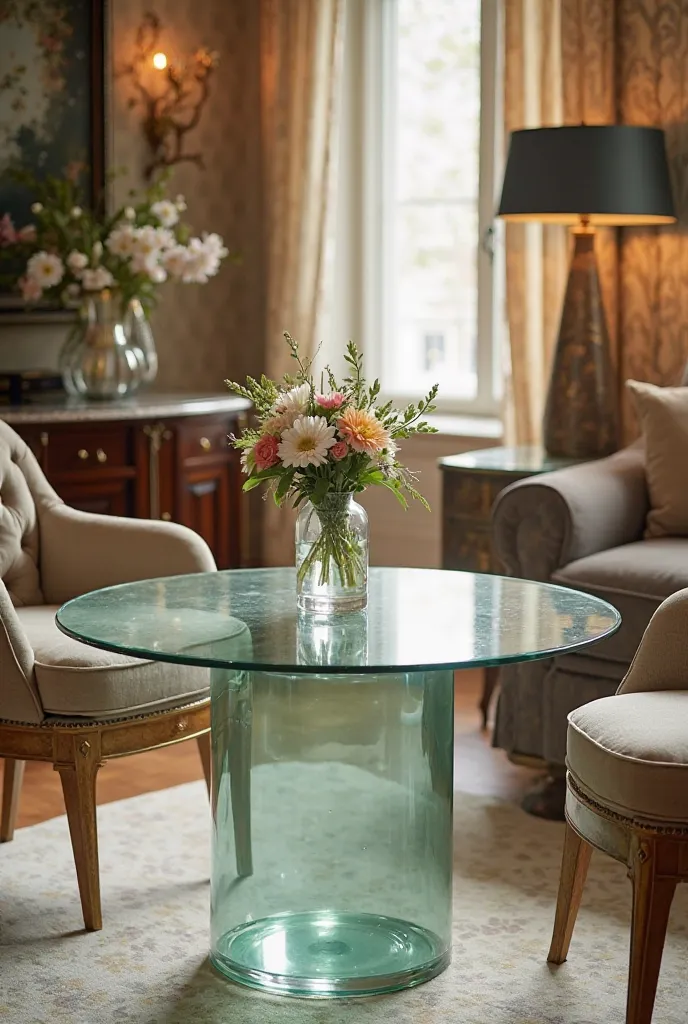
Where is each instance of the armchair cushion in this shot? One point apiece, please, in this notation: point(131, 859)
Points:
point(630, 752)
point(663, 415)
point(635, 578)
point(74, 679)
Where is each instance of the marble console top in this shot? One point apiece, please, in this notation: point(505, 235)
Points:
point(140, 407)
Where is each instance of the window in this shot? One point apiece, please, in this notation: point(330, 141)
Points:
point(417, 184)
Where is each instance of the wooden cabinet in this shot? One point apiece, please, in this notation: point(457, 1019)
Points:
point(172, 461)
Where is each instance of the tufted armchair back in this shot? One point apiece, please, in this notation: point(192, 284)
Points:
point(23, 492)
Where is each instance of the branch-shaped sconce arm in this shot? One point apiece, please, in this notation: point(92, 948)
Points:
point(173, 106)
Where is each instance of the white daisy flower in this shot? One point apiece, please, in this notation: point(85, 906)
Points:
point(166, 212)
point(130, 213)
point(76, 212)
point(145, 263)
point(96, 280)
point(97, 251)
point(36, 207)
point(146, 241)
point(175, 261)
point(295, 400)
point(213, 245)
point(46, 269)
point(201, 262)
point(77, 261)
point(306, 443)
point(120, 242)
point(248, 460)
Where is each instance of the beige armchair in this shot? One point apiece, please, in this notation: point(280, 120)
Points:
point(64, 702)
point(627, 795)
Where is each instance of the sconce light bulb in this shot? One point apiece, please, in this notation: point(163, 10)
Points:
point(159, 61)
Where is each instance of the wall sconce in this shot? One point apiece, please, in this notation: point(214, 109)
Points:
point(170, 93)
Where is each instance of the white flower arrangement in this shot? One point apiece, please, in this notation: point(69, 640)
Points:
point(70, 252)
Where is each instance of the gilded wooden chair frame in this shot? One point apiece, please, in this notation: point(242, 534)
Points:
point(77, 751)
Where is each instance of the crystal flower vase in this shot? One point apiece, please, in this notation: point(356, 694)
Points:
point(102, 357)
point(332, 555)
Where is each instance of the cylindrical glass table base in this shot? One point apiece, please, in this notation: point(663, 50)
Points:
point(332, 830)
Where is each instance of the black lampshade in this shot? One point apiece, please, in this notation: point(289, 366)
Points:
point(612, 174)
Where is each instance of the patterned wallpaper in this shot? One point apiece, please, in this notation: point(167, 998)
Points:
point(636, 72)
point(205, 333)
point(652, 77)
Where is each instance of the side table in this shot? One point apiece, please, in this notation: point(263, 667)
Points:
point(470, 485)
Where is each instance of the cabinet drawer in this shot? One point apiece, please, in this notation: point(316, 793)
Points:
point(88, 448)
point(197, 440)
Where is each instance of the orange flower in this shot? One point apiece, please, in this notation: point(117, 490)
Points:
point(363, 431)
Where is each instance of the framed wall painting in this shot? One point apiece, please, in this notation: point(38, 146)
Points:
point(52, 105)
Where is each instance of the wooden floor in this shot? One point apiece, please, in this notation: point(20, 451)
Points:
point(479, 768)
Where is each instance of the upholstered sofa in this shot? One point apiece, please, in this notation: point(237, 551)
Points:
point(581, 527)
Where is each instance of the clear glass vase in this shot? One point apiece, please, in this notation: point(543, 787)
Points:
point(138, 328)
point(332, 555)
point(101, 359)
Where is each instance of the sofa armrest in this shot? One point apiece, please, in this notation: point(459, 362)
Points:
point(661, 661)
point(542, 523)
point(81, 551)
point(19, 700)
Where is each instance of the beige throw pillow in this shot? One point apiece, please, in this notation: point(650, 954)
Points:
point(663, 416)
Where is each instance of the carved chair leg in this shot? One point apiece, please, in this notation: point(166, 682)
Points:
point(652, 897)
point(11, 788)
point(239, 742)
point(206, 758)
point(239, 758)
point(490, 684)
point(79, 788)
point(574, 869)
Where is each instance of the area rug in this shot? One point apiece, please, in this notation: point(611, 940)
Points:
point(149, 964)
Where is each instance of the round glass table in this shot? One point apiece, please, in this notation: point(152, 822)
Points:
point(332, 744)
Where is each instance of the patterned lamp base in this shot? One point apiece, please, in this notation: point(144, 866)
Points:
point(582, 411)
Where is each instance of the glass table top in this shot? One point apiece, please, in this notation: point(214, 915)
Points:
point(416, 619)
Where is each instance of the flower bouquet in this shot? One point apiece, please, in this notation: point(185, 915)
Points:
point(109, 268)
point(317, 447)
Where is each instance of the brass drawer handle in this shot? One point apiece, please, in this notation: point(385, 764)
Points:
point(101, 456)
point(82, 453)
point(166, 517)
point(206, 444)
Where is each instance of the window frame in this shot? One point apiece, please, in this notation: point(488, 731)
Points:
point(371, 26)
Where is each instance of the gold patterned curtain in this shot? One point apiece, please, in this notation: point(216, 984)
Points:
point(300, 66)
point(602, 62)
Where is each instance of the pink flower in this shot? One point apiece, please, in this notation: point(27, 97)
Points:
point(27, 233)
point(8, 236)
point(335, 400)
point(30, 289)
point(265, 452)
point(339, 451)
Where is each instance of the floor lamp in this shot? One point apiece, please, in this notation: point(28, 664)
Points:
point(585, 176)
